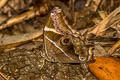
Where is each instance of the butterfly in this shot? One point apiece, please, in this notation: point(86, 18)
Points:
point(61, 43)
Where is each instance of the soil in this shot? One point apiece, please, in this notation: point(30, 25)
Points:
point(29, 64)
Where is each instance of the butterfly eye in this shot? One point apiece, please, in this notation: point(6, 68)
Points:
point(66, 40)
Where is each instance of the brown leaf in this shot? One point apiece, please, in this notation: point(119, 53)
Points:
point(16, 40)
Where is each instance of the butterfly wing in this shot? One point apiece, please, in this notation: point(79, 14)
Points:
point(56, 52)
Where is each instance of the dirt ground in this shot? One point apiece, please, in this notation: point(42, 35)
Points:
point(23, 64)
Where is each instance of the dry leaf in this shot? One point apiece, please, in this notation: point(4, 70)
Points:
point(102, 25)
point(16, 40)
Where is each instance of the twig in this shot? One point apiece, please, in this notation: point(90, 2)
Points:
point(94, 4)
point(2, 73)
point(115, 46)
point(2, 3)
point(88, 3)
point(3, 76)
point(18, 19)
point(25, 16)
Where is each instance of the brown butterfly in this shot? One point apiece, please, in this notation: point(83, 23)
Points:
point(61, 43)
